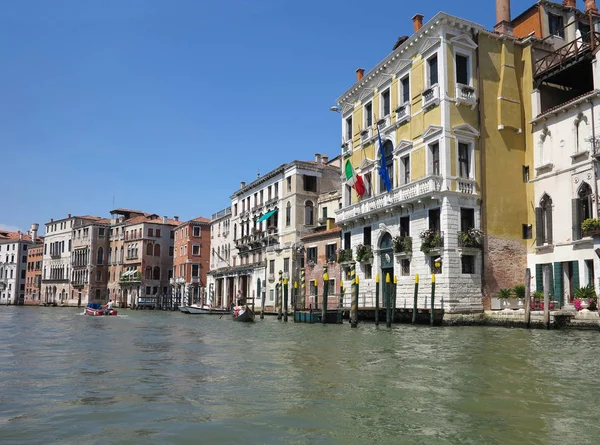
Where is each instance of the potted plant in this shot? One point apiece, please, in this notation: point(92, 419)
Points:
point(310, 263)
point(537, 300)
point(430, 240)
point(519, 294)
point(470, 238)
point(364, 253)
point(591, 227)
point(504, 295)
point(344, 255)
point(402, 245)
point(585, 298)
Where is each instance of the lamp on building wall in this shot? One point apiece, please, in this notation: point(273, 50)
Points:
point(335, 109)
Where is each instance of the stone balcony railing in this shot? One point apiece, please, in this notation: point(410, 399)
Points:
point(467, 186)
point(397, 196)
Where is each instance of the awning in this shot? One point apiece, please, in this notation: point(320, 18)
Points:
point(266, 216)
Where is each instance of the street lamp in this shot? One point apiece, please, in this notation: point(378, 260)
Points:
point(336, 109)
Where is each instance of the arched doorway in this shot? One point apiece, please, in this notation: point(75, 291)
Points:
point(386, 254)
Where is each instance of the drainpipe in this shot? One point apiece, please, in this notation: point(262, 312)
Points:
point(482, 213)
point(594, 162)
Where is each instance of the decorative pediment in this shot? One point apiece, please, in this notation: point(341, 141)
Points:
point(401, 65)
point(466, 130)
point(366, 94)
point(431, 132)
point(463, 40)
point(404, 145)
point(428, 44)
point(346, 107)
point(366, 164)
point(383, 79)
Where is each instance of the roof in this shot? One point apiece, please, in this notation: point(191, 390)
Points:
point(566, 104)
point(121, 211)
point(200, 219)
point(323, 233)
point(14, 236)
point(152, 219)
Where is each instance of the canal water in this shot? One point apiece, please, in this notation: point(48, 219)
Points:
point(169, 378)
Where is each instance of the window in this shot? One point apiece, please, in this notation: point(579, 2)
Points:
point(309, 214)
point(288, 180)
point(462, 69)
point(555, 23)
point(310, 183)
point(581, 208)
point(464, 167)
point(543, 221)
point(196, 231)
point(311, 254)
point(467, 219)
point(272, 266)
point(235, 210)
point(99, 275)
point(468, 264)
point(527, 231)
point(330, 250)
point(98, 296)
point(271, 294)
point(100, 255)
point(349, 128)
point(405, 267)
point(434, 220)
point(149, 249)
point(368, 270)
point(157, 250)
point(385, 103)
point(584, 28)
point(347, 236)
point(525, 173)
point(196, 250)
point(589, 265)
point(195, 270)
point(101, 232)
point(156, 274)
point(434, 153)
point(171, 250)
point(348, 195)
point(288, 214)
point(367, 235)
point(368, 115)
point(276, 189)
point(432, 64)
point(150, 232)
point(405, 93)
point(324, 213)
point(405, 166)
point(286, 265)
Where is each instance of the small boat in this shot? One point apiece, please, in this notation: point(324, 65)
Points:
point(96, 310)
point(184, 309)
point(196, 309)
point(242, 313)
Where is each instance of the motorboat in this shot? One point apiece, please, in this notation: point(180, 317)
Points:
point(96, 309)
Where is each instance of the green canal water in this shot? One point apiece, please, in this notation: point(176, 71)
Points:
point(169, 378)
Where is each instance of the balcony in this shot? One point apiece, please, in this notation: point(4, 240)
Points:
point(467, 186)
point(465, 94)
point(404, 194)
point(471, 238)
point(195, 280)
point(130, 277)
point(54, 254)
point(271, 277)
point(366, 135)
point(385, 121)
point(347, 147)
point(432, 242)
point(402, 245)
point(431, 96)
point(403, 113)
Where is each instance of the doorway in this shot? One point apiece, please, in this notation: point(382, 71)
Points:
point(386, 254)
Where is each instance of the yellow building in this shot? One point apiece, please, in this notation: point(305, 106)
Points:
point(451, 104)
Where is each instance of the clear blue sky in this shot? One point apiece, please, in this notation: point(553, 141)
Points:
point(167, 105)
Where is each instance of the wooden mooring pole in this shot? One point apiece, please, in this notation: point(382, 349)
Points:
point(377, 300)
point(414, 314)
point(262, 298)
point(316, 296)
point(341, 300)
point(280, 295)
point(546, 274)
point(528, 297)
point(354, 303)
point(432, 298)
point(303, 287)
point(388, 302)
point(394, 292)
point(325, 295)
point(285, 299)
point(295, 299)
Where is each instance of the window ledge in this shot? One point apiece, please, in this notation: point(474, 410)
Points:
point(546, 166)
point(545, 248)
point(579, 154)
point(585, 240)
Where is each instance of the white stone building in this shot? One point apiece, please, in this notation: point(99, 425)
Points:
point(220, 287)
point(13, 265)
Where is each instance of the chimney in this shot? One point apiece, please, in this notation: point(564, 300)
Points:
point(165, 220)
point(318, 158)
point(20, 235)
point(360, 73)
point(51, 220)
point(417, 22)
point(325, 159)
point(242, 184)
point(176, 218)
point(68, 215)
point(571, 3)
point(590, 5)
point(503, 25)
point(33, 231)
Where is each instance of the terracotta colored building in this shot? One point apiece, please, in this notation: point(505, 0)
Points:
point(33, 275)
point(191, 259)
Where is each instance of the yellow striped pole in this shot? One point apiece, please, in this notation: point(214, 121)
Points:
point(325, 294)
point(354, 303)
point(303, 287)
point(280, 294)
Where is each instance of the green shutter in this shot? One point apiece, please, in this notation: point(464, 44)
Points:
point(558, 284)
point(539, 229)
point(575, 274)
point(551, 280)
point(575, 211)
point(539, 278)
point(549, 239)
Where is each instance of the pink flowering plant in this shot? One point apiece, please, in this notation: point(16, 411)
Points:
point(585, 294)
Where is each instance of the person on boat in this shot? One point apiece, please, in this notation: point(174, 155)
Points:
point(108, 307)
point(239, 297)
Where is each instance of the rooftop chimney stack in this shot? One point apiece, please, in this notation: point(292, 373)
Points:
point(242, 184)
point(590, 5)
point(571, 3)
point(176, 218)
point(417, 22)
point(165, 220)
point(360, 74)
point(68, 215)
point(318, 158)
point(325, 159)
point(33, 231)
point(503, 24)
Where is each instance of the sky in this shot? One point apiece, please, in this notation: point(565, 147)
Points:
point(166, 105)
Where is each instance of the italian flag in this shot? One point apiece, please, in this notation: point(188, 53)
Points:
point(353, 180)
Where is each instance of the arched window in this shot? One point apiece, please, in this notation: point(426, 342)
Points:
point(388, 153)
point(149, 249)
point(288, 214)
point(309, 213)
point(109, 255)
point(543, 220)
point(235, 231)
point(581, 133)
point(582, 208)
point(100, 255)
point(156, 273)
point(122, 250)
point(157, 250)
point(149, 273)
